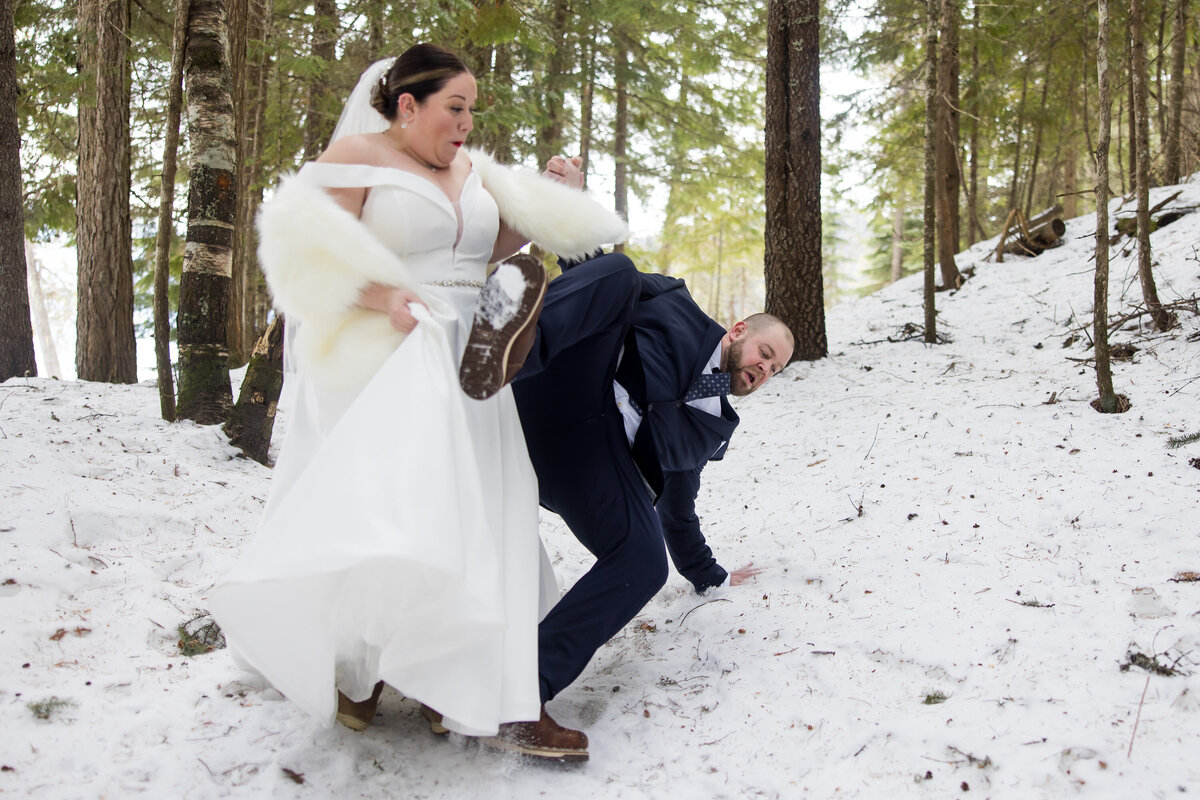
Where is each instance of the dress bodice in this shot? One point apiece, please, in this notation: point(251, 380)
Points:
point(439, 240)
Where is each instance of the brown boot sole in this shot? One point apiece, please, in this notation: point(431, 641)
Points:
point(484, 367)
point(353, 722)
point(559, 755)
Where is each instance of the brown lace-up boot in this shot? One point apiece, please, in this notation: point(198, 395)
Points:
point(504, 326)
point(542, 739)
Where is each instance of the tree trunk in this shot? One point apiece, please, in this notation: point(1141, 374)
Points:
point(1121, 142)
point(105, 349)
point(621, 133)
point(792, 253)
point(975, 229)
point(1162, 319)
point(1172, 170)
point(249, 103)
point(1133, 113)
point(1031, 186)
point(898, 241)
point(204, 390)
point(502, 75)
point(946, 154)
point(318, 120)
point(166, 204)
point(257, 302)
point(586, 98)
point(558, 69)
point(253, 418)
point(1107, 402)
point(948, 102)
point(16, 327)
point(1020, 124)
point(1160, 96)
point(1071, 161)
point(930, 168)
point(239, 18)
point(375, 12)
point(41, 319)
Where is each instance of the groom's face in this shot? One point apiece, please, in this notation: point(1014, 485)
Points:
point(754, 356)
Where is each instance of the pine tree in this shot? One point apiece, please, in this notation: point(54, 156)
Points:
point(16, 327)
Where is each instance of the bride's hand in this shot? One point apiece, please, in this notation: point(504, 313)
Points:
point(397, 309)
point(565, 171)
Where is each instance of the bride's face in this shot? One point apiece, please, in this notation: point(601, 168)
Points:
point(440, 125)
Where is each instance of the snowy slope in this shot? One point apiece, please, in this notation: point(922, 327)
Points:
point(928, 520)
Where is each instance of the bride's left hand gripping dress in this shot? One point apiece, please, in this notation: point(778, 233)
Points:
point(400, 539)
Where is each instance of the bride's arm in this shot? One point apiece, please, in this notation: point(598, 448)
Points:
point(566, 172)
point(393, 301)
point(350, 150)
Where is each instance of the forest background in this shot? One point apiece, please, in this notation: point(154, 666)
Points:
point(665, 104)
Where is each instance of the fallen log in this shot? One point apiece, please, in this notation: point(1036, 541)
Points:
point(1032, 236)
point(1128, 225)
point(1039, 238)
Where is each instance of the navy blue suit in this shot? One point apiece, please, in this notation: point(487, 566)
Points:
point(587, 472)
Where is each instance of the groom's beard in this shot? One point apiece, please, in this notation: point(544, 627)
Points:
point(739, 385)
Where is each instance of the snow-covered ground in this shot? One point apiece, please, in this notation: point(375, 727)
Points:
point(949, 520)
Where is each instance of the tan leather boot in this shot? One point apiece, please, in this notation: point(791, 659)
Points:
point(358, 716)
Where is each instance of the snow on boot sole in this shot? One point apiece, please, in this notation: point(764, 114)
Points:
point(508, 306)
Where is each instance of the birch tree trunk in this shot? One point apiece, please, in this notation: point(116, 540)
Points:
point(105, 349)
point(792, 244)
point(41, 318)
point(204, 389)
point(16, 328)
point(1162, 319)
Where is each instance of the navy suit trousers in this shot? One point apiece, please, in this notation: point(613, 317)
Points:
point(577, 443)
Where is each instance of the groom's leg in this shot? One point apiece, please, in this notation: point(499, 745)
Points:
point(593, 301)
point(587, 476)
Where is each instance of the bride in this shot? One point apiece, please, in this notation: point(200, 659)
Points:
point(399, 544)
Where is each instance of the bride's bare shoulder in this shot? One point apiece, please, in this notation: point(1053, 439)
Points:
point(362, 149)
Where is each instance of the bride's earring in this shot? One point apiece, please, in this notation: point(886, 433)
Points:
point(404, 122)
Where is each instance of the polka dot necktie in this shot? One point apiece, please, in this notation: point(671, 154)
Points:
point(711, 384)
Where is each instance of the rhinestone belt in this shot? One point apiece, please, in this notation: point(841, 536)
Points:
point(456, 282)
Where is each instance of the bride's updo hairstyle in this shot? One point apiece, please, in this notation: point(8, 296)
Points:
point(421, 70)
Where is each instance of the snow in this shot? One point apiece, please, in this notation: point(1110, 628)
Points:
point(948, 519)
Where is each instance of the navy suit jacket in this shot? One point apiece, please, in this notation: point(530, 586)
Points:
point(672, 340)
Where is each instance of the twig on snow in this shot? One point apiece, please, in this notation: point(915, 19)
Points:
point(1138, 718)
point(707, 602)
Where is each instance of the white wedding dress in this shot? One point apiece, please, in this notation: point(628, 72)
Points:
point(400, 539)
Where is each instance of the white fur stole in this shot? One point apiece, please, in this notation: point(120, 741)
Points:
point(317, 257)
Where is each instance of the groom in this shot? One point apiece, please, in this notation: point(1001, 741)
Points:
point(622, 399)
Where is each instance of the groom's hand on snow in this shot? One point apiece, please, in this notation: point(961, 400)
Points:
point(740, 576)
